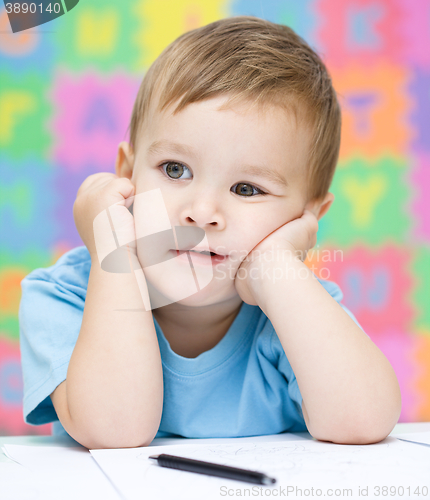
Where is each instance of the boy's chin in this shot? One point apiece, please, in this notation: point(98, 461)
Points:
point(208, 296)
point(180, 284)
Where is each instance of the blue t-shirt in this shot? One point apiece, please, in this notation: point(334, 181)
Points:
point(244, 386)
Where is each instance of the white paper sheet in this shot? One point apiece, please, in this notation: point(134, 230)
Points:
point(295, 464)
point(18, 483)
point(415, 437)
point(53, 473)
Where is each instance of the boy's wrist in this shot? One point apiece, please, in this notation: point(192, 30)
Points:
point(123, 260)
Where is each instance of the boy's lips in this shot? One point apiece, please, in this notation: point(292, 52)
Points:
point(200, 249)
point(216, 258)
point(203, 249)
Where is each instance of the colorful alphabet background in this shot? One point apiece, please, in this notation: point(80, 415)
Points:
point(66, 94)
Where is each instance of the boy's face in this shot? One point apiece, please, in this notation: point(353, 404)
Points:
point(208, 165)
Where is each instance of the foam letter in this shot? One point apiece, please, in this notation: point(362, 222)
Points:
point(364, 197)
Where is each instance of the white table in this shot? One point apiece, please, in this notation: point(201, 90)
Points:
point(68, 441)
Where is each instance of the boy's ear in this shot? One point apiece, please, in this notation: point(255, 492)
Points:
point(320, 208)
point(124, 160)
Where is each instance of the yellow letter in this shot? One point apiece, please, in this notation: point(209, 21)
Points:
point(97, 31)
point(364, 197)
point(12, 103)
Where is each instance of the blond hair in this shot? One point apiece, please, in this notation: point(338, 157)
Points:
point(255, 61)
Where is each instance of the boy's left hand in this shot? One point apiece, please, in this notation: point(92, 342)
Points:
point(294, 238)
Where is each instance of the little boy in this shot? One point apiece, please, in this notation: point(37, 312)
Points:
point(237, 124)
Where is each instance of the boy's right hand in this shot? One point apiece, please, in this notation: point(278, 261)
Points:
point(97, 193)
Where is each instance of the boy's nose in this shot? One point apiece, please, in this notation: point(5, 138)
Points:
point(200, 222)
point(204, 213)
point(213, 223)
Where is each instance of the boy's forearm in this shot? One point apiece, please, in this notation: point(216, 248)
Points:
point(349, 388)
point(114, 378)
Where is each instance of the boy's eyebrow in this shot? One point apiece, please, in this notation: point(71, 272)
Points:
point(174, 147)
point(266, 172)
point(171, 147)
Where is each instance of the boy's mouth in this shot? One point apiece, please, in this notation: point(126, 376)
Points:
point(204, 252)
point(215, 258)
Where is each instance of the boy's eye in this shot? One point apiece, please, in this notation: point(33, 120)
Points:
point(246, 189)
point(175, 170)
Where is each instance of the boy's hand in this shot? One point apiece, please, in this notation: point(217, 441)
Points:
point(97, 193)
point(292, 240)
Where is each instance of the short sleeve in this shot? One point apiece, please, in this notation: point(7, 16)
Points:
point(50, 317)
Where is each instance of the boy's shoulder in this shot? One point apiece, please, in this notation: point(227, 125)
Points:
point(71, 269)
point(78, 256)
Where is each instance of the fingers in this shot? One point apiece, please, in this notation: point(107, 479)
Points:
point(116, 189)
point(311, 226)
point(101, 194)
point(126, 188)
point(123, 225)
point(96, 180)
point(313, 221)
